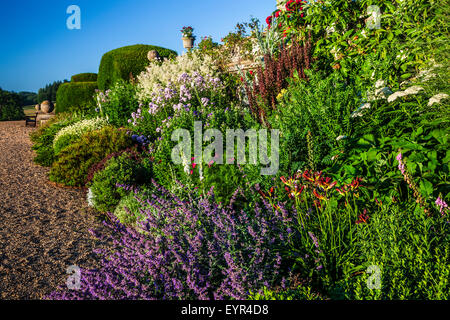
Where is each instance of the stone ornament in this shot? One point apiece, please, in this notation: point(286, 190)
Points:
point(47, 106)
point(153, 55)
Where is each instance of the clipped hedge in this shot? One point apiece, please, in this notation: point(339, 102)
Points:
point(84, 77)
point(75, 96)
point(119, 63)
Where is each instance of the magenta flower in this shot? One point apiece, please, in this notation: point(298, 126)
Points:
point(442, 205)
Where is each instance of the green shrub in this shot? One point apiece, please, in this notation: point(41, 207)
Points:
point(123, 170)
point(75, 96)
point(73, 162)
point(10, 106)
point(69, 134)
point(84, 77)
point(299, 293)
point(120, 63)
point(118, 103)
point(127, 211)
point(411, 251)
point(321, 106)
point(43, 137)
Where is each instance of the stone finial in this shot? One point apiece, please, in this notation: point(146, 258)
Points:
point(47, 106)
point(153, 55)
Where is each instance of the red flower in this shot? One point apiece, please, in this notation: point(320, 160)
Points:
point(307, 176)
point(288, 5)
point(269, 20)
point(319, 196)
point(277, 14)
point(363, 217)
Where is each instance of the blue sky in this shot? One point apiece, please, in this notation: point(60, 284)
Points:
point(37, 48)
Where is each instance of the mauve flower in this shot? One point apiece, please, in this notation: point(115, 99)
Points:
point(441, 205)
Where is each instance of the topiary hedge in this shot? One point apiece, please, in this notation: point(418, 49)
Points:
point(75, 96)
point(84, 77)
point(119, 63)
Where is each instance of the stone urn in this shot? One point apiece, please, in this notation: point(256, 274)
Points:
point(37, 107)
point(153, 55)
point(188, 42)
point(47, 106)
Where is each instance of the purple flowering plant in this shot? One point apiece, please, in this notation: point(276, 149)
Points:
point(188, 94)
point(188, 248)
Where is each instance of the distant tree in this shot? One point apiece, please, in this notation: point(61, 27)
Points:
point(28, 98)
point(10, 106)
point(49, 91)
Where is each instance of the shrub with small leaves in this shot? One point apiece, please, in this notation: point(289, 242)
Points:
point(74, 161)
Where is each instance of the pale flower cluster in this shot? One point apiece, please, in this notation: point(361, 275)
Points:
point(158, 75)
point(81, 127)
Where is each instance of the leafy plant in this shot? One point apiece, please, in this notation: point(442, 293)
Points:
point(121, 170)
point(73, 132)
point(73, 162)
point(187, 249)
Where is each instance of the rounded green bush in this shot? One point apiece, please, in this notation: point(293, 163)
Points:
point(73, 162)
point(74, 96)
point(127, 211)
point(120, 63)
point(84, 77)
point(123, 170)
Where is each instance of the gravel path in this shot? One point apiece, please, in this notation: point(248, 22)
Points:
point(43, 229)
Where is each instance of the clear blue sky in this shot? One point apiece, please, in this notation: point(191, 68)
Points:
point(36, 48)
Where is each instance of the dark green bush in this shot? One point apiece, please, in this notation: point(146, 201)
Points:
point(10, 106)
point(43, 141)
point(73, 162)
point(120, 63)
point(123, 170)
point(75, 96)
point(84, 77)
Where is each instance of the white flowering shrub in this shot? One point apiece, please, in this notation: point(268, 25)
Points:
point(68, 134)
point(160, 75)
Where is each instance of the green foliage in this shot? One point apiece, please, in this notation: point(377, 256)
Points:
point(127, 211)
point(43, 139)
point(73, 162)
point(75, 96)
point(74, 132)
point(10, 106)
point(49, 91)
point(410, 249)
point(122, 170)
point(224, 178)
point(299, 293)
point(409, 126)
point(123, 62)
point(322, 106)
point(28, 98)
point(84, 77)
point(118, 103)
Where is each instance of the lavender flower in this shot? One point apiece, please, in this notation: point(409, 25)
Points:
point(442, 205)
point(186, 249)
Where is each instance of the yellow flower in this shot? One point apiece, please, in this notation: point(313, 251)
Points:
point(281, 94)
